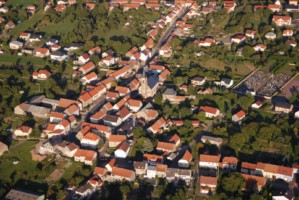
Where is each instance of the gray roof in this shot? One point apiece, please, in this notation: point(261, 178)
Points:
point(170, 91)
point(152, 81)
point(14, 194)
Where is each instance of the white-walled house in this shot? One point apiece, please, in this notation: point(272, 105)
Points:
point(209, 161)
point(90, 140)
point(123, 150)
point(185, 160)
point(23, 131)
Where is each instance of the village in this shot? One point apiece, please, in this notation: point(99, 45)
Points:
point(117, 112)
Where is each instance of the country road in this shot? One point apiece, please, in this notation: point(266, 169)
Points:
point(165, 36)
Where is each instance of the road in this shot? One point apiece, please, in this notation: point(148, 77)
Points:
point(165, 36)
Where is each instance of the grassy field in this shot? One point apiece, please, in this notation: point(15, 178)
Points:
point(21, 2)
point(26, 169)
point(12, 59)
point(237, 68)
point(25, 25)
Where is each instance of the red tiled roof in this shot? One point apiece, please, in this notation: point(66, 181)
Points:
point(165, 146)
point(209, 158)
point(187, 156)
point(116, 171)
point(209, 109)
point(117, 138)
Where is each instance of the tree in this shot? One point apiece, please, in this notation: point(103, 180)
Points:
point(125, 190)
point(232, 183)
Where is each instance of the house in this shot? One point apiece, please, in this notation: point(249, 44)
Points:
point(274, 7)
point(157, 126)
point(207, 42)
point(257, 104)
point(4, 9)
point(238, 38)
point(140, 168)
point(90, 140)
point(123, 174)
point(254, 183)
point(283, 107)
point(161, 170)
point(148, 45)
point(108, 61)
point(293, 2)
point(90, 6)
point(35, 37)
point(185, 160)
point(60, 8)
point(95, 51)
point(41, 52)
point(238, 116)
point(23, 131)
point(210, 112)
point(15, 45)
point(281, 20)
point(55, 47)
point(23, 194)
point(68, 148)
point(166, 147)
point(152, 159)
point(123, 91)
point(209, 161)
point(89, 78)
point(198, 81)
point(260, 47)
point(10, 25)
point(42, 74)
point(288, 33)
point(267, 170)
point(122, 150)
point(109, 166)
point(58, 55)
point(98, 91)
point(175, 139)
point(296, 115)
point(24, 36)
point(51, 42)
point(226, 82)
point(151, 172)
point(86, 99)
point(147, 113)
point(134, 105)
point(95, 118)
point(87, 67)
point(250, 33)
point(207, 184)
point(85, 156)
point(112, 120)
point(211, 140)
point(100, 172)
point(84, 58)
point(115, 140)
point(165, 51)
point(229, 163)
point(56, 117)
point(270, 36)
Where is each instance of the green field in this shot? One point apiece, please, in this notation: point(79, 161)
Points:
point(239, 68)
point(26, 169)
point(13, 59)
point(21, 2)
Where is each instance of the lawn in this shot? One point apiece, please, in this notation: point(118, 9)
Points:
point(25, 170)
point(65, 26)
point(25, 25)
point(21, 2)
point(241, 68)
point(13, 59)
